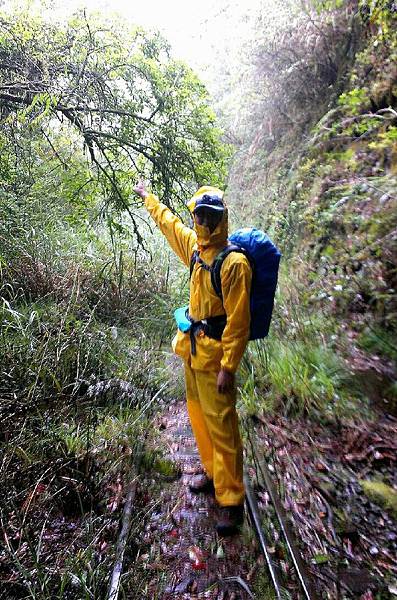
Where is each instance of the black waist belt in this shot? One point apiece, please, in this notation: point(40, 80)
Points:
point(212, 327)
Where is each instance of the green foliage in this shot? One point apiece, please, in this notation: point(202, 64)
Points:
point(328, 5)
point(379, 12)
point(299, 368)
point(386, 140)
point(44, 349)
point(80, 300)
point(329, 202)
point(117, 91)
point(165, 467)
point(300, 376)
point(354, 101)
point(75, 446)
point(117, 429)
point(378, 341)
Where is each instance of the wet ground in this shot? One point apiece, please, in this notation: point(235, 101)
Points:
point(187, 558)
point(348, 542)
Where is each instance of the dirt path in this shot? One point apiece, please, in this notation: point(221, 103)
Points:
point(347, 539)
point(191, 561)
point(317, 471)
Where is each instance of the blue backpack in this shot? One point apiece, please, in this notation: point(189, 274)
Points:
point(264, 258)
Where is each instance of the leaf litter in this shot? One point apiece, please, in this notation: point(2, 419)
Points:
point(179, 545)
point(346, 537)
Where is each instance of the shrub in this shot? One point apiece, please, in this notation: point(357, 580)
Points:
point(298, 376)
point(299, 67)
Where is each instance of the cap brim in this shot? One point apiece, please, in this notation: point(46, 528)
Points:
point(208, 207)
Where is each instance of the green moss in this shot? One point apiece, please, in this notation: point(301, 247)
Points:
point(262, 588)
point(385, 140)
point(381, 493)
point(165, 467)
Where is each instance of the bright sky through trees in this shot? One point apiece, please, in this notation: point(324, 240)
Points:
point(199, 31)
point(192, 27)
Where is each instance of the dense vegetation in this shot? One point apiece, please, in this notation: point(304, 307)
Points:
point(87, 108)
point(319, 166)
point(86, 288)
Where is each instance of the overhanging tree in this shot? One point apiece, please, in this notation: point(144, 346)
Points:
point(136, 111)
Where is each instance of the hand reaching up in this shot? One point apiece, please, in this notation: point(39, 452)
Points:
point(141, 190)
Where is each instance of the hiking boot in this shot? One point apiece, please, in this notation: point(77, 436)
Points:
point(229, 520)
point(202, 485)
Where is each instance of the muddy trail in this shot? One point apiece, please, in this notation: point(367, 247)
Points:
point(324, 475)
point(347, 540)
point(60, 538)
point(186, 557)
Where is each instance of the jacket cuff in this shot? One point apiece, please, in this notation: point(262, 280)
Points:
point(151, 201)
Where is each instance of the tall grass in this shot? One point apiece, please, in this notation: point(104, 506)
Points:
point(76, 308)
point(297, 378)
point(299, 369)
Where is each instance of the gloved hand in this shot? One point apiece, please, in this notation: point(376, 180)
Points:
point(225, 381)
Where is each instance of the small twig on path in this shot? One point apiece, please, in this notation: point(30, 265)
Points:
point(241, 583)
point(256, 522)
point(121, 543)
point(177, 505)
point(305, 581)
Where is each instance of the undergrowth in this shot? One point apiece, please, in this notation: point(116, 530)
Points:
point(327, 197)
point(81, 355)
point(299, 370)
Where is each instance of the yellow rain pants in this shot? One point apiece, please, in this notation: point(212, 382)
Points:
point(213, 416)
point(215, 426)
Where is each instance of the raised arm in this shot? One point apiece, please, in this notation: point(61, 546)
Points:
point(180, 237)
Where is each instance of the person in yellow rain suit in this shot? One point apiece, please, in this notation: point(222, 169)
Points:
point(211, 351)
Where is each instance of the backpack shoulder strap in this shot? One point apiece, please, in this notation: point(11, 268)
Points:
point(196, 258)
point(217, 266)
point(193, 260)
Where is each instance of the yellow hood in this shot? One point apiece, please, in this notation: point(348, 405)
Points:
point(219, 236)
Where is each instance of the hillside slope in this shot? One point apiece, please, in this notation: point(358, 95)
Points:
point(325, 187)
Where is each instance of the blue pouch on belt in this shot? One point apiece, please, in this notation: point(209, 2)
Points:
point(181, 319)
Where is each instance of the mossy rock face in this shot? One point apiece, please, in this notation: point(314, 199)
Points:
point(381, 493)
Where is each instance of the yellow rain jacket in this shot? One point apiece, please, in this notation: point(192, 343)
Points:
point(212, 415)
point(235, 278)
